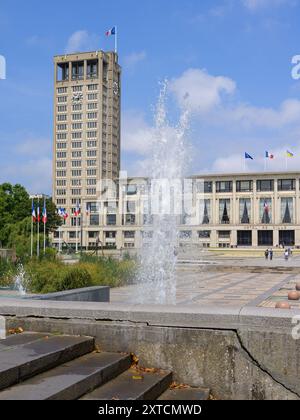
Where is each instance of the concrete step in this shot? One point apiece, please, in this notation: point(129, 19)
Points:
point(19, 339)
point(71, 380)
point(26, 360)
point(185, 394)
point(133, 385)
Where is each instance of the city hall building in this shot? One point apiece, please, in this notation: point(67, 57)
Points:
point(232, 210)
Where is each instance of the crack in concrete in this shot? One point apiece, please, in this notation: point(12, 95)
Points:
point(262, 368)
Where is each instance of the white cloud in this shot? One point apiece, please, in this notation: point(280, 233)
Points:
point(137, 135)
point(131, 60)
point(82, 41)
point(200, 91)
point(288, 113)
point(254, 5)
point(34, 147)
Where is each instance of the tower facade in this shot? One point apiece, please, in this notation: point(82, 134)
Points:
point(86, 144)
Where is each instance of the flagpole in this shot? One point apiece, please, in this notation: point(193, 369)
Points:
point(38, 231)
point(45, 221)
point(31, 235)
point(286, 163)
point(116, 40)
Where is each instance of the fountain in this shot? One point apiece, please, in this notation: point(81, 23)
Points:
point(19, 283)
point(156, 278)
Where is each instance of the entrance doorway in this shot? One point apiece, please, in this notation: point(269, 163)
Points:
point(244, 238)
point(287, 237)
point(265, 238)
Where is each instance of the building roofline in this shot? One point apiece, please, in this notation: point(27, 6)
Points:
point(84, 52)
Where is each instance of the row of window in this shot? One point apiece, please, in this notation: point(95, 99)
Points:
point(247, 186)
point(77, 88)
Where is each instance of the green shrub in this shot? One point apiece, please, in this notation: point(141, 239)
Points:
point(75, 278)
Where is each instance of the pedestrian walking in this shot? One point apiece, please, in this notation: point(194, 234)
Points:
point(286, 255)
point(267, 254)
point(271, 254)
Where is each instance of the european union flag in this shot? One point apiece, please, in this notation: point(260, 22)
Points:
point(247, 156)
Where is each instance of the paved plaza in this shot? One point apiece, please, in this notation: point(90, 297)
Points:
point(229, 282)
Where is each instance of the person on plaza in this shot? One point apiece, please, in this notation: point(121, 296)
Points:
point(271, 254)
point(286, 255)
point(267, 254)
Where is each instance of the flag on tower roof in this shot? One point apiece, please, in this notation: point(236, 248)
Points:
point(111, 32)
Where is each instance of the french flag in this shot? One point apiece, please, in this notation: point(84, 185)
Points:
point(45, 217)
point(269, 155)
point(38, 218)
point(111, 32)
point(33, 213)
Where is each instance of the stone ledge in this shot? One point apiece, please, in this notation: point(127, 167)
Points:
point(166, 316)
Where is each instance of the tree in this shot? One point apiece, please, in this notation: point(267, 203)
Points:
point(15, 217)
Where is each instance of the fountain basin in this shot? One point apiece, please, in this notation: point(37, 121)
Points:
point(88, 294)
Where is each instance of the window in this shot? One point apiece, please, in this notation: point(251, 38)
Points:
point(77, 88)
point(224, 186)
point(265, 185)
point(92, 106)
point(62, 72)
point(91, 181)
point(77, 126)
point(224, 234)
point(91, 172)
point(76, 182)
point(110, 235)
point(129, 219)
point(77, 135)
point(92, 87)
point(92, 96)
point(111, 219)
point(92, 143)
point(91, 153)
point(76, 144)
point(77, 107)
point(92, 115)
point(76, 173)
point(61, 155)
point(131, 189)
point(286, 185)
point(92, 124)
point(78, 70)
point(91, 163)
point(94, 219)
point(205, 212)
point(62, 90)
point(185, 234)
point(129, 235)
point(265, 211)
point(61, 127)
point(61, 145)
point(62, 99)
point(76, 163)
point(204, 234)
point(61, 164)
point(224, 212)
point(61, 173)
point(62, 108)
point(91, 191)
point(61, 192)
point(76, 191)
point(92, 235)
point(287, 210)
point(72, 235)
point(244, 186)
point(61, 117)
point(93, 207)
point(245, 211)
point(76, 117)
point(92, 69)
point(61, 136)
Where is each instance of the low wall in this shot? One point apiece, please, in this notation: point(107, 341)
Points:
point(88, 294)
point(238, 353)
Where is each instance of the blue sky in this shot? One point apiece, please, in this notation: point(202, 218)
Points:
point(233, 58)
